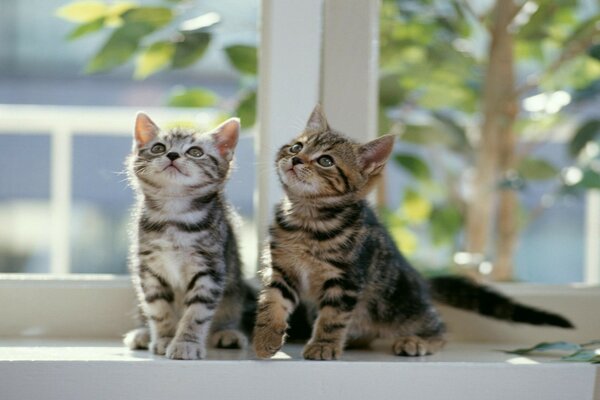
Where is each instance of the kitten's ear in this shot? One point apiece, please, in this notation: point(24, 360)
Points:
point(374, 154)
point(145, 129)
point(317, 120)
point(226, 137)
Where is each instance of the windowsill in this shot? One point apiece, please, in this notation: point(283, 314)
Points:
point(54, 369)
point(65, 350)
point(103, 306)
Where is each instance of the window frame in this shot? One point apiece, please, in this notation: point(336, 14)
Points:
point(313, 25)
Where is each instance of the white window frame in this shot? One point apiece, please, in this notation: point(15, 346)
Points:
point(307, 55)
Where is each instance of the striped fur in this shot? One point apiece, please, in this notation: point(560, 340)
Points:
point(184, 255)
point(327, 249)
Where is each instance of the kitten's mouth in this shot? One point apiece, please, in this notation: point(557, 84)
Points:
point(172, 167)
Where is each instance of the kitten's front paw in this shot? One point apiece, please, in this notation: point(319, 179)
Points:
point(416, 346)
point(229, 339)
point(137, 339)
point(186, 351)
point(268, 340)
point(159, 345)
point(322, 351)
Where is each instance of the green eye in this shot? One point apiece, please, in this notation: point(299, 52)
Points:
point(195, 152)
point(296, 148)
point(158, 148)
point(325, 161)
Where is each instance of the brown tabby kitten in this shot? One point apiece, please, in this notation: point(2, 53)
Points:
point(184, 256)
point(328, 248)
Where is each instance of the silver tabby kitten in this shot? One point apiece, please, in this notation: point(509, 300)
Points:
point(184, 255)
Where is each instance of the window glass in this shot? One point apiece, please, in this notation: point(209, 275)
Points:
point(25, 225)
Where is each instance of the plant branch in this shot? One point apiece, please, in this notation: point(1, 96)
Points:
point(517, 10)
point(567, 54)
point(466, 5)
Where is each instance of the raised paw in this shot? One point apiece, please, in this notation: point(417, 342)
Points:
point(137, 339)
point(416, 346)
point(228, 339)
point(186, 351)
point(159, 345)
point(268, 340)
point(322, 351)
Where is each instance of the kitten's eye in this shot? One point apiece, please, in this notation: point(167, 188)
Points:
point(325, 161)
point(195, 152)
point(296, 148)
point(158, 148)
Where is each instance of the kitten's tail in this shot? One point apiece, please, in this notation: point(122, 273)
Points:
point(464, 293)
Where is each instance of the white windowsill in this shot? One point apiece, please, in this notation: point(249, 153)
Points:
point(101, 306)
point(60, 369)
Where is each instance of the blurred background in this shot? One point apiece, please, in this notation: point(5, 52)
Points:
point(495, 105)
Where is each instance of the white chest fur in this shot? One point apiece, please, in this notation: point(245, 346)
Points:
point(175, 256)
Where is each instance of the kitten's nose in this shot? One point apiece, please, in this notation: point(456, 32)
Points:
point(296, 160)
point(173, 156)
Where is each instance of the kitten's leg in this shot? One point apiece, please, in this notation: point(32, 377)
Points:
point(276, 302)
point(157, 302)
point(138, 338)
point(428, 339)
point(417, 346)
point(227, 319)
point(337, 302)
point(203, 294)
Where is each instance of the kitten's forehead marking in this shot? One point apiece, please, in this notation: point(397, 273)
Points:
point(186, 137)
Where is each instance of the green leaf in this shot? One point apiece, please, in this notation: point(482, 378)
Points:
point(545, 347)
point(457, 132)
point(585, 355)
point(190, 48)
point(536, 169)
point(156, 17)
point(153, 59)
point(86, 29)
point(414, 165)
point(445, 223)
point(429, 135)
point(119, 47)
point(588, 132)
point(82, 11)
point(124, 41)
point(243, 58)
point(590, 179)
point(594, 52)
point(384, 123)
point(196, 98)
point(415, 207)
point(246, 109)
point(586, 31)
point(390, 91)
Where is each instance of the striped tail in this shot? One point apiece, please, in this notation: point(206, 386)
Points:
point(466, 294)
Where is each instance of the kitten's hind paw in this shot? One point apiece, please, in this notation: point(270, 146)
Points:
point(267, 341)
point(186, 351)
point(322, 351)
point(159, 346)
point(228, 339)
point(137, 339)
point(416, 346)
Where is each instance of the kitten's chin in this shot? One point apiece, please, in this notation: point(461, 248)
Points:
point(173, 171)
point(293, 185)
